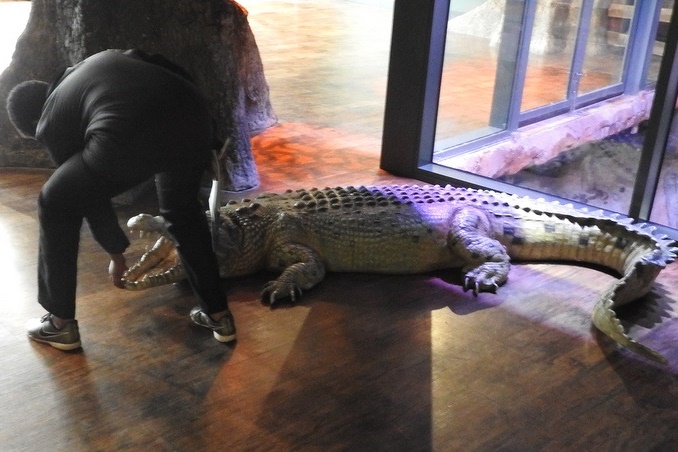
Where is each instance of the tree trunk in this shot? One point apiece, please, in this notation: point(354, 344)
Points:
point(210, 38)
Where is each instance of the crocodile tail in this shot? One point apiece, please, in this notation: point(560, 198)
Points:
point(642, 265)
point(605, 318)
point(632, 250)
point(645, 259)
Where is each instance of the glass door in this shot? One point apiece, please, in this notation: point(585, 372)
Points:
point(547, 59)
point(478, 72)
point(508, 64)
point(549, 98)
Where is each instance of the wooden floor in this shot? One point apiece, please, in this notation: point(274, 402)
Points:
point(363, 362)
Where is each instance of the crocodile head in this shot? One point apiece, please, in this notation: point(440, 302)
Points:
point(160, 264)
point(238, 250)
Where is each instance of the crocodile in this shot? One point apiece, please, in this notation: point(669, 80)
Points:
point(408, 229)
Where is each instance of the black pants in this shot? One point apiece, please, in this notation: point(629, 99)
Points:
point(76, 192)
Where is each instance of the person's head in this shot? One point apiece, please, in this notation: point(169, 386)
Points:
point(24, 106)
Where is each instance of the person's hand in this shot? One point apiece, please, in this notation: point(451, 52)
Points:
point(116, 269)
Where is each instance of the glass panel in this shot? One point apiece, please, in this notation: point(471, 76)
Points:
point(665, 206)
point(606, 45)
point(600, 173)
point(326, 62)
point(660, 39)
point(13, 18)
point(478, 68)
point(569, 156)
point(551, 48)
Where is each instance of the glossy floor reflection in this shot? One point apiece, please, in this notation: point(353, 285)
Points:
point(362, 362)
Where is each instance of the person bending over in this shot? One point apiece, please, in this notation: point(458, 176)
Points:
point(111, 122)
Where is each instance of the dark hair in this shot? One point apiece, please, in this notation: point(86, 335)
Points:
point(24, 106)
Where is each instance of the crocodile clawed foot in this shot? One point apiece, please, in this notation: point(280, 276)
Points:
point(477, 287)
point(486, 277)
point(275, 291)
point(470, 284)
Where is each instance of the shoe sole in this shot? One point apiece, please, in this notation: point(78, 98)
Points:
point(220, 338)
point(58, 345)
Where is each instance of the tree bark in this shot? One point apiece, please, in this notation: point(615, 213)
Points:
point(211, 39)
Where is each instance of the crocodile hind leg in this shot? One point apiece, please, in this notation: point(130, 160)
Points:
point(486, 262)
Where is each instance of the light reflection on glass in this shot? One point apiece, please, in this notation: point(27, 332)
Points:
point(551, 48)
point(665, 207)
point(605, 48)
point(13, 18)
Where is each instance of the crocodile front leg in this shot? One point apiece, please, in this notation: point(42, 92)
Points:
point(486, 261)
point(303, 269)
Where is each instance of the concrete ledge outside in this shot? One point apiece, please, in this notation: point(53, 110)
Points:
point(540, 142)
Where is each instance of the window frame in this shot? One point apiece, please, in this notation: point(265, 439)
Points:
point(413, 89)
